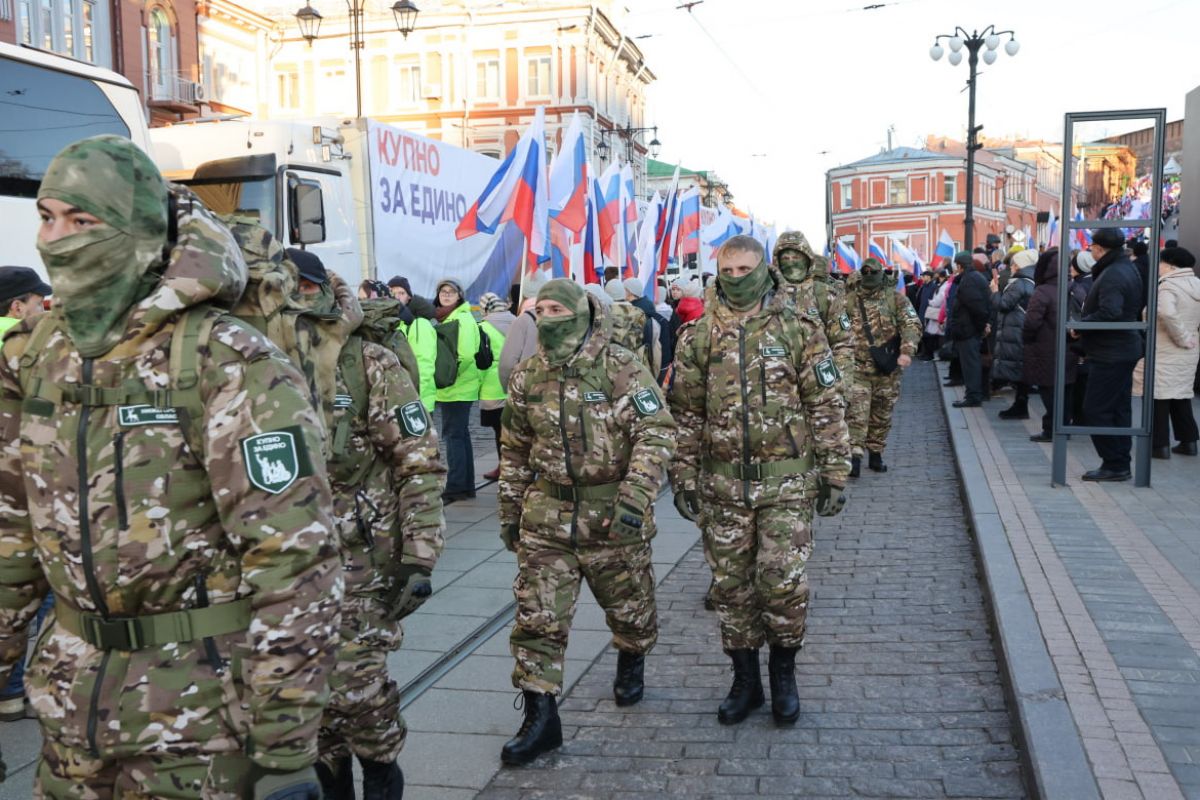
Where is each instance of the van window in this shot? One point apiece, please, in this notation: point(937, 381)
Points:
point(44, 110)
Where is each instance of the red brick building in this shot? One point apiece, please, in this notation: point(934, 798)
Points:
point(152, 43)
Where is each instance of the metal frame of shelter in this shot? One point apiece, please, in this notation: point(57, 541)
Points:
point(1140, 432)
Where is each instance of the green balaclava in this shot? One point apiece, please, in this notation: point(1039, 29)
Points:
point(793, 256)
point(560, 337)
point(99, 274)
point(746, 292)
point(872, 275)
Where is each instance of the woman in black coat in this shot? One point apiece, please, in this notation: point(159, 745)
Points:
point(1040, 335)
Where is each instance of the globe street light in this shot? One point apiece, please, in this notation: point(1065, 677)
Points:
point(975, 41)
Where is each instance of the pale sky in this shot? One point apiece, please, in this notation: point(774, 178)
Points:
point(786, 80)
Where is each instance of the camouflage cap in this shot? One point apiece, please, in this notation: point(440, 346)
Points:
point(567, 292)
point(792, 240)
point(872, 263)
point(113, 179)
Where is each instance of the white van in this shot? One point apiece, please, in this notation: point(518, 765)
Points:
point(48, 101)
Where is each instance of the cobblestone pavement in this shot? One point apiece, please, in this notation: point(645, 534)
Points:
point(899, 686)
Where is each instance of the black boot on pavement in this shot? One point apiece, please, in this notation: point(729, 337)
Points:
point(630, 681)
point(1160, 452)
point(746, 694)
point(1185, 449)
point(382, 780)
point(855, 466)
point(1018, 410)
point(875, 461)
point(785, 702)
point(337, 782)
point(541, 731)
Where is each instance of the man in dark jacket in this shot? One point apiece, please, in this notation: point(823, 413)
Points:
point(634, 293)
point(1117, 295)
point(968, 326)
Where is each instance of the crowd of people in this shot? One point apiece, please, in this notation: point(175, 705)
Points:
point(223, 489)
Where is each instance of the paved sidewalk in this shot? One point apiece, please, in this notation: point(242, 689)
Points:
point(899, 685)
point(1113, 576)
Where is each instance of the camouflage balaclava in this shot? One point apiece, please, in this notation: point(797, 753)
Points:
point(872, 275)
point(745, 292)
point(99, 274)
point(560, 337)
point(793, 256)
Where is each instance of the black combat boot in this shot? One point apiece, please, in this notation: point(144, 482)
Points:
point(337, 782)
point(875, 461)
point(382, 780)
point(746, 694)
point(630, 681)
point(540, 732)
point(855, 466)
point(1018, 410)
point(785, 702)
point(709, 605)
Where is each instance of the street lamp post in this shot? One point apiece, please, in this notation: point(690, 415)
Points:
point(309, 21)
point(627, 133)
point(975, 41)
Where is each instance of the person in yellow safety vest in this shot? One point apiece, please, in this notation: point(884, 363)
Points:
point(422, 338)
point(496, 322)
point(21, 295)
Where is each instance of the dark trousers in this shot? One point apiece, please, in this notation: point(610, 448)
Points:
point(972, 368)
point(1021, 395)
point(1046, 393)
point(1108, 404)
point(460, 458)
point(1077, 396)
point(1175, 414)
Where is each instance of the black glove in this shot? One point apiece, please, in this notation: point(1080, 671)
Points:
point(687, 501)
point(510, 534)
point(830, 499)
point(299, 785)
point(410, 588)
point(627, 522)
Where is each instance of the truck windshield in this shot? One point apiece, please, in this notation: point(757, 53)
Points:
point(252, 197)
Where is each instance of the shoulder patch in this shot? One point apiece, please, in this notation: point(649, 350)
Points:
point(243, 339)
point(276, 459)
point(646, 402)
point(827, 372)
point(135, 416)
point(412, 419)
point(844, 321)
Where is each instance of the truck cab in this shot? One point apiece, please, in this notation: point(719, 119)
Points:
point(295, 177)
point(47, 102)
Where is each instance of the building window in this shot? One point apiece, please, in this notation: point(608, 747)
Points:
point(487, 79)
point(847, 195)
point(409, 85)
point(331, 87)
point(89, 31)
point(69, 27)
point(288, 90)
point(24, 22)
point(160, 55)
point(898, 191)
point(949, 189)
point(539, 77)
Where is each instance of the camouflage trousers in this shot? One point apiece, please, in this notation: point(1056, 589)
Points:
point(363, 715)
point(69, 772)
point(869, 409)
point(550, 571)
point(758, 558)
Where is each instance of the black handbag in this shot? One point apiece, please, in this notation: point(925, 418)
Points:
point(885, 356)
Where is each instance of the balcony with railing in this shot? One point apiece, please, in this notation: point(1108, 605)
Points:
point(174, 91)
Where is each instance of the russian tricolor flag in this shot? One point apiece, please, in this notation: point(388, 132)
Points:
point(1082, 236)
point(518, 191)
point(567, 183)
point(944, 252)
point(667, 231)
point(1052, 231)
point(689, 221)
point(846, 258)
point(876, 252)
point(907, 258)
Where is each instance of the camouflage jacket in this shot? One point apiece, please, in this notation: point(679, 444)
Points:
point(598, 419)
point(386, 473)
point(115, 510)
point(888, 313)
point(753, 389)
point(829, 301)
point(631, 330)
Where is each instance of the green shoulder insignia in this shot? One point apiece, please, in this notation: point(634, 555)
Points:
point(412, 419)
point(827, 372)
point(844, 321)
point(275, 460)
point(773, 352)
point(342, 401)
point(646, 402)
point(132, 416)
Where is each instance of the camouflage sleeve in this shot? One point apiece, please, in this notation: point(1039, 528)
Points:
point(910, 326)
point(402, 433)
point(687, 403)
point(516, 441)
point(272, 494)
point(822, 396)
point(22, 585)
point(840, 333)
point(642, 413)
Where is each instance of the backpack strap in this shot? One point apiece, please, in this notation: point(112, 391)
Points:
point(42, 331)
point(354, 373)
point(192, 332)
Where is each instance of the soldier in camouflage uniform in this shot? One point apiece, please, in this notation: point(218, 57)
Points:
point(160, 473)
point(585, 440)
point(800, 267)
point(888, 314)
point(387, 479)
point(759, 406)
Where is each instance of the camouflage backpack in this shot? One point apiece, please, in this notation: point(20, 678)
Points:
point(632, 330)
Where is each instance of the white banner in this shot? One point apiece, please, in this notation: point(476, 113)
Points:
point(420, 189)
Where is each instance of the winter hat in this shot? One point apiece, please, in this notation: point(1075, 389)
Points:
point(962, 258)
point(615, 289)
point(1025, 258)
point(491, 302)
point(402, 282)
point(1084, 261)
point(597, 291)
point(635, 286)
point(1178, 257)
point(693, 289)
point(1108, 238)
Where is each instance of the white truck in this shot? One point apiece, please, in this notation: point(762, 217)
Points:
point(47, 102)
